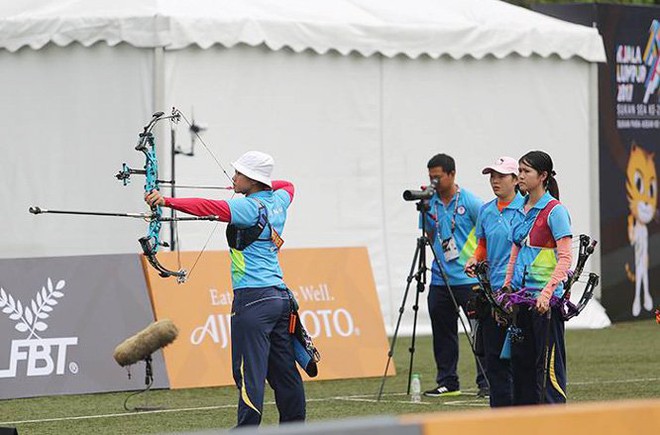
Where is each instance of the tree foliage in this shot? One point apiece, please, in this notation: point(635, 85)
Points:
point(529, 3)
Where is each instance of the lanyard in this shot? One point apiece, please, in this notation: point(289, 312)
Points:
point(453, 217)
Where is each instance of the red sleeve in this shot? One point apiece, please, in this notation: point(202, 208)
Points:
point(201, 207)
point(480, 252)
point(286, 185)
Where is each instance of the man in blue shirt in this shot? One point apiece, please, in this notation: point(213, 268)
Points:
point(450, 224)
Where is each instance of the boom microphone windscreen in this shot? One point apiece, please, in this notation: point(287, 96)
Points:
point(144, 343)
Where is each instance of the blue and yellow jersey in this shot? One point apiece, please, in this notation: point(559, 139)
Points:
point(463, 209)
point(537, 258)
point(496, 228)
point(257, 265)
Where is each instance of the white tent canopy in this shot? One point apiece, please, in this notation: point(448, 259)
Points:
point(390, 27)
point(348, 121)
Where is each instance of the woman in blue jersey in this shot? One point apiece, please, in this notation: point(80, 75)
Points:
point(493, 232)
point(262, 346)
point(538, 265)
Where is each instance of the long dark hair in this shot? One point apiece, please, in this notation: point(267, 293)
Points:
point(541, 162)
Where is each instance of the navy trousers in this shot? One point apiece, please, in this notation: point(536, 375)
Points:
point(444, 324)
point(541, 354)
point(262, 349)
point(498, 370)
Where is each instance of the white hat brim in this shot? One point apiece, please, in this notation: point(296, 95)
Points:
point(252, 175)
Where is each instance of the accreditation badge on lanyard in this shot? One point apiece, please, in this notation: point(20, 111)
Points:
point(449, 247)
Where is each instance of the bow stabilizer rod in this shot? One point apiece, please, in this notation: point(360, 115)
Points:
point(39, 210)
point(145, 216)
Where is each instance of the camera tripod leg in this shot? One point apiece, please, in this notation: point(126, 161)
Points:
point(421, 284)
point(419, 261)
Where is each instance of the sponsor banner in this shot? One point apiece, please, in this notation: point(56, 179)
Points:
point(629, 135)
point(629, 139)
point(60, 320)
point(338, 306)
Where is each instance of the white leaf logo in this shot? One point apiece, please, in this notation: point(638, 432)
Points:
point(29, 317)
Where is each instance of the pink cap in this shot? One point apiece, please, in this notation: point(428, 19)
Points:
point(503, 165)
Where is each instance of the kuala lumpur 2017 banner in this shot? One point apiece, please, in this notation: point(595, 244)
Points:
point(629, 136)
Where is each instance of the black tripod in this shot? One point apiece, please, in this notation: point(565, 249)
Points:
point(419, 275)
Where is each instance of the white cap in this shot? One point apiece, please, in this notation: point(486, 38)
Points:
point(255, 165)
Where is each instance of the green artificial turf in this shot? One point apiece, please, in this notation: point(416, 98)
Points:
point(619, 362)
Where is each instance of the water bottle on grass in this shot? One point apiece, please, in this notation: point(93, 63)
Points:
point(415, 389)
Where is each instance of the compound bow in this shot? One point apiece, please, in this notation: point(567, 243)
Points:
point(152, 241)
point(503, 301)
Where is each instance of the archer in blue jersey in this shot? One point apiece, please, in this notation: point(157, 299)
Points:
point(262, 346)
point(539, 263)
point(494, 246)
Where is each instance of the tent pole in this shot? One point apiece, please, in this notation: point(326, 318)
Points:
point(159, 105)
point(594, 172)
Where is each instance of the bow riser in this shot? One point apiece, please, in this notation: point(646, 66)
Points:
point(152, 242)
point(481, 272)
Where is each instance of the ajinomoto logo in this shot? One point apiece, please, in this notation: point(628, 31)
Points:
point(329, 321)
point(42, 356)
